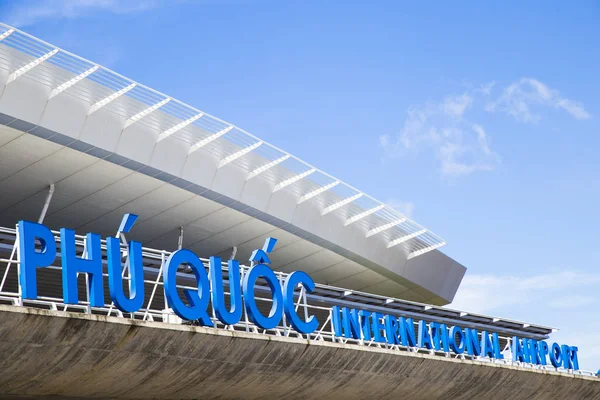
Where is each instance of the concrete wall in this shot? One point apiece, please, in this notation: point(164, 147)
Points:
point(49, 354)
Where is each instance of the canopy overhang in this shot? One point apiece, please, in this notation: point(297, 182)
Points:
point(111, 145)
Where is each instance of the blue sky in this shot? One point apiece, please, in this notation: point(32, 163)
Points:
point(481, 121)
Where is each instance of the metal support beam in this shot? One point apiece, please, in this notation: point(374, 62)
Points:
point(385, 227)
point(209, 139)
point(109, 99)
point(317, 192)
point(294, 179)
point(12, 77)
point(6, 34)
point(61, 88)
point(362, 215)
point(233, 253)
point(178, 127)
point(425, 250)
point(145, 112)
point(405, 238)
point(342, 203)
point(266, 167)
point(241, 153)
point(46, 204)
point(180, 240)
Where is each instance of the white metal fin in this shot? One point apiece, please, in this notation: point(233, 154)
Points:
point(30, 66)
point(178, 127)
point(266, 167)
point(209, 139)
point(293, 179)
point(239, 154)
point(6, 34)
point(425, 250)
point(318, 191)
point(145, 112)
point(342, 203)
point(385, 227)
point(107, 100)
point(362, 215)
point(405, 238)
point(61, 88)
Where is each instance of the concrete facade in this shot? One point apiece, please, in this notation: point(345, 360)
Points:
point(52, 354)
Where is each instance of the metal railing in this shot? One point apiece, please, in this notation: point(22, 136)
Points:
point(156, 309)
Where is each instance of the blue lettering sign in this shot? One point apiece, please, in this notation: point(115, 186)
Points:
point(38, 249)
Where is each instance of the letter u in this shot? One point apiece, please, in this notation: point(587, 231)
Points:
point(115, 278)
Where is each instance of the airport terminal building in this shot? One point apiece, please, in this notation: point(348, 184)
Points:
point(151, 250)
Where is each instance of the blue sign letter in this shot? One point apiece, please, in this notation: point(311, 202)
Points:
point(456, 333)
point(90, 264)
point(198, 299)
point(293, 279)
point(424, 336)
point(115, 275)
point(30, 258)
point(218, 291)
point(258, 271)
point(556, 356)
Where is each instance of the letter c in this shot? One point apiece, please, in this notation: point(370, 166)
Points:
point(293, 279)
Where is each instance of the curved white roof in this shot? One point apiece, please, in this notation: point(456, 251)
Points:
point(62, 98)
point(170, 117)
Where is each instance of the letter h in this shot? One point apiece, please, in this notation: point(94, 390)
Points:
point(72, 265)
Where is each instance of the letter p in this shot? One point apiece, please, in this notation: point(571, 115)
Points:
point(30, 258)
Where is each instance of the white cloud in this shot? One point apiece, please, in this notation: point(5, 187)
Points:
point(460, 146)
point(524, 98)
point(488, 293)
point(455, 106)
point(487, 88)
point(26, 13)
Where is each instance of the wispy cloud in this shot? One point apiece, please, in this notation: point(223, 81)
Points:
point(524, 98)
point(486, 88)
point(459, 141)
point(455, 106)
point(490, 293)
point(26, 13)
point(462, 147)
